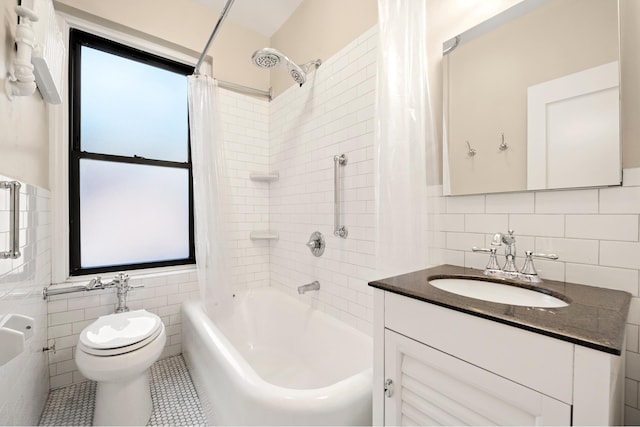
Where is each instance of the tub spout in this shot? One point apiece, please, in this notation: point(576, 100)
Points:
point(313, 286)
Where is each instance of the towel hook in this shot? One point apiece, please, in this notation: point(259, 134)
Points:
point(503, 145)
point(472, 151)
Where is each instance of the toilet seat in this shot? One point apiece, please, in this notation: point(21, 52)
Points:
point(120, 333)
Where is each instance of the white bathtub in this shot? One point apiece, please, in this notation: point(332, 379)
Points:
point(276, 361)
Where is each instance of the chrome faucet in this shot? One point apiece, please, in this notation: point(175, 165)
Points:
point(313, 286)
point(509, 270)
point(121, 283)
point(509, 251)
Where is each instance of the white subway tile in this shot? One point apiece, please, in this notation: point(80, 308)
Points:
point(631, 392)
point(453, 257)
point(66, 317)
point(59, 331)
point(57, 306)
point(569, 250)
point(620, 200)
point(59, 381)
point(604, 277)
point(604, 227)
point(510, 203)
point(83, 302)
point(486, 223)
point(537, 225)
point(66, 366)
point(465, 204)
point(68, 341)
point(95, 312)
point(620, 254)
point(567, 201)
point(632, 337)
point(634, 316)
point(476, 260)
point(464, 241)
point(551, 270)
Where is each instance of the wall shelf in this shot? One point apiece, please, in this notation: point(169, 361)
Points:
point(264, 235)
point(264, 176)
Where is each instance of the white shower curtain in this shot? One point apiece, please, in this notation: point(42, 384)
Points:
point(210, 198)
point(405, 139)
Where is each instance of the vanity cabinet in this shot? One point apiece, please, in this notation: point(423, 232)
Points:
point(434, 365)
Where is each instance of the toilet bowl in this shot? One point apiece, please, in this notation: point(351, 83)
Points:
point(116, 351)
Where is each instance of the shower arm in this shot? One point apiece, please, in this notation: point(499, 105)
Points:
point(223, 15)
point(307, 65)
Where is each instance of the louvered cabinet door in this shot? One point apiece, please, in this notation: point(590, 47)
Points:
point(430, 387)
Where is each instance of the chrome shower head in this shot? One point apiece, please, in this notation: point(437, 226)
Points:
point(270, 58)
point(297, 73)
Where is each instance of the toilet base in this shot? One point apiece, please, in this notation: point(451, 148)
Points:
point(124, 402)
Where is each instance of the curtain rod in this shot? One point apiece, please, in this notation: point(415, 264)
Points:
point(223, 15)
point(246, 89)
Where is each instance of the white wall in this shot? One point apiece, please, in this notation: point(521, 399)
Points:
point(24, 380)
point(24, 148)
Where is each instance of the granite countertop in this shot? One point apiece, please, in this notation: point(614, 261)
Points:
point(594, 318)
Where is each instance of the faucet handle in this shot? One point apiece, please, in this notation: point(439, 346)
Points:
point(316, 243)
point(528, 271)
point(546, 256)
point(492, 267)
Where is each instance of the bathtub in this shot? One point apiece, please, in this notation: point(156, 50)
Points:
point(276, 361)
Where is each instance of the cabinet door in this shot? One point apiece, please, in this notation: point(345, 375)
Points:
point(434, 388)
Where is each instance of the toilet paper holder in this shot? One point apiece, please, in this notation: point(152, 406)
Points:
point(15, 329)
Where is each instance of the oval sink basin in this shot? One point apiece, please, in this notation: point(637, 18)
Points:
point(498, 292)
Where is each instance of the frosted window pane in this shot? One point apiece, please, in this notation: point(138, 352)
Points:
point(129, 108)
point(132, 213)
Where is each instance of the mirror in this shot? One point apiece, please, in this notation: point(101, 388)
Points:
point(531, 100)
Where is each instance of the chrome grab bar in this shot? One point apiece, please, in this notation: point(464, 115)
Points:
point(338, 230)
point(14, 219)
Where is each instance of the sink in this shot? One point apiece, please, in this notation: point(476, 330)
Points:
point(498, 292)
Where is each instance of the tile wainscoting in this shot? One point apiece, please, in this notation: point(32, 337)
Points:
point(21, 283)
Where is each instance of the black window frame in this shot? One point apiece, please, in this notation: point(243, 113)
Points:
point(78, 39)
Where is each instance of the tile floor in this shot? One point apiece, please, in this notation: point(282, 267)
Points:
point(175, 401)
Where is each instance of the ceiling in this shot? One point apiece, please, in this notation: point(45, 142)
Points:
point(262, 16)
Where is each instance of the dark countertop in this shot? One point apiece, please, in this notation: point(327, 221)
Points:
point(594, 318)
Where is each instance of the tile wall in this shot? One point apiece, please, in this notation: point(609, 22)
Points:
point(595, 232)
point(246, 133)
point(24, 381)
point(330, 115)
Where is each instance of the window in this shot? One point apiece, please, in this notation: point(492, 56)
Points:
point(130, 178)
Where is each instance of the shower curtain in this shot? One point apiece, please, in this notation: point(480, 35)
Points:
point(210, 198)
point(406, 151)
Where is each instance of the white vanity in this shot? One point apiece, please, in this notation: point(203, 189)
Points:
point(445, 359)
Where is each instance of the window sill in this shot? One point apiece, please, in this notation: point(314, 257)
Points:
point(148, 273)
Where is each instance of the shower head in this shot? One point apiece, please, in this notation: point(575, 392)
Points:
point(269, 58)
point(297, 73)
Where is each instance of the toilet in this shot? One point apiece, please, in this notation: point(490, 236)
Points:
point(116, 351)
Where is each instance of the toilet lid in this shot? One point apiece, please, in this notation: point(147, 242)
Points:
point(120, 331)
